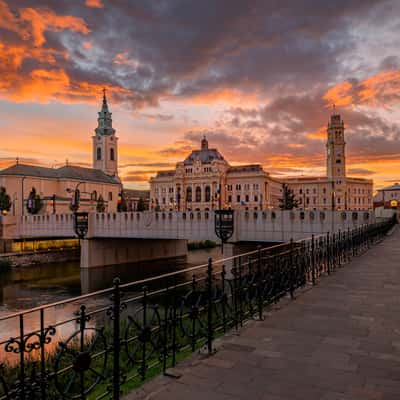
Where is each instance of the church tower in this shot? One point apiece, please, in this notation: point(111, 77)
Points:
point(335, 146)
point(105, 143)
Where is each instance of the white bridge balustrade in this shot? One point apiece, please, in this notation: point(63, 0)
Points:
point(44, 226)
point(268, 226)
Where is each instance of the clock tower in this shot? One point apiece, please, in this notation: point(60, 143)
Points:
point(335, 146)
point(105, 143)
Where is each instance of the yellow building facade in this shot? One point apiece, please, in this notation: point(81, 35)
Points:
point(56, 187)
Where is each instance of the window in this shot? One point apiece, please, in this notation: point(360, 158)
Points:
point(246, 186)
point(110, 196)
point(238, 198)
point(229, 188)
point(230, 198)
point(98, 156)
point(301, 191)
point(189, 194)
point(314, 190)
point(324, 190)
point(307, 191)
point(94, 195)
point(255, 198)
point(238, 186)
point(207, 193)
point(198, 194)
point(247, 198)
point(112, 155)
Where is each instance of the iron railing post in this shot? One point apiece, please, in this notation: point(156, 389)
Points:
point(144, 342)
point(116, 338)
point(209, 306)
point(292, 271)
point(313, 259)
point(259, 285)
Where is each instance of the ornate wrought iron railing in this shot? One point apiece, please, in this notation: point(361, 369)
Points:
point(118, 337)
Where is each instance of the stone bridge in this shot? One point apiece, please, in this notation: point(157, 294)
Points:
point(115, 238)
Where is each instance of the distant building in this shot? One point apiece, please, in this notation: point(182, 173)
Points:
point(336, 191)
point(206, 181)
point(56, 186)
point(388, 197)
point(132, 197)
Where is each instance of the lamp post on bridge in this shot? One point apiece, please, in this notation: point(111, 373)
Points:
point(223, 222)
point(81, 219)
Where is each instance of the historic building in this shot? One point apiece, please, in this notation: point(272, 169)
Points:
point(205, 180)
point(336, 191)
point(56, 187)
point(388, 197)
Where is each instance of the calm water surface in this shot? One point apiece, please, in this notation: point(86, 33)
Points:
point(27, 287)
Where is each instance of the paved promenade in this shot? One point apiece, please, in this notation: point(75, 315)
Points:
point(337, 341)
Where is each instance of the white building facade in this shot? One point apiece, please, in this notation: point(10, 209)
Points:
point(206, 181)
point(336, 191)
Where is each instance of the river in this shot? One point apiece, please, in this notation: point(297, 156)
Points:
point(28, 287)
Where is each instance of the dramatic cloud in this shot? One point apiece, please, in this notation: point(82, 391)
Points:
point(258, 78)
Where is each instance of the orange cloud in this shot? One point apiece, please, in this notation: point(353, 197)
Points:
point(227, 96)
point(317, 135)
point(339, 94)
point(382, 88)
point(383, 85)
point(94, 3)
point(32, 23)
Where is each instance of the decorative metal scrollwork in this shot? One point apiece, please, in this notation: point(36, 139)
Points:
point(143, 334)
point(81, 363)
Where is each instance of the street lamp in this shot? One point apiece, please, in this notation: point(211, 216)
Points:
point(76, 197)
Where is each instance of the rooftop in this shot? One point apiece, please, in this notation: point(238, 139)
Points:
point(396, 186)
point(65, 172)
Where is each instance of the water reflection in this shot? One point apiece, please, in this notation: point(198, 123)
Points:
point(28, 287)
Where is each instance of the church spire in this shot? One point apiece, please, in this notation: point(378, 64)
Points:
point(104, 126)
point(104, 107)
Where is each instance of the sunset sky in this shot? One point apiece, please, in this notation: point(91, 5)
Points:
point(257, 77)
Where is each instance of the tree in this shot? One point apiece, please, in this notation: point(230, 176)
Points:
point(5, 200)
point(288, 201)
point(100, 207)
point(140, 205)
point(34, 203)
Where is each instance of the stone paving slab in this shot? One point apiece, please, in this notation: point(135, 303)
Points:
point(339, 340)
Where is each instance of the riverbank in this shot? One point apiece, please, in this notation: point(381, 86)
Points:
point(27, 258)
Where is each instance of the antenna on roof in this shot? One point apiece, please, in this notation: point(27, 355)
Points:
point(66, 162)
point(17, 160)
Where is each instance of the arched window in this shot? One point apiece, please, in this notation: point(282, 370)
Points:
point(208, 194)
point(198, 194)
point(112, 156)
point(94, 195)
point(98, 153)
point(189, 194)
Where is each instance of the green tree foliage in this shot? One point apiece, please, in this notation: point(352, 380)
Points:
point(288, 201)
point(5, 200)
point(34, 203)
point(100, 207)
point(140, 205)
